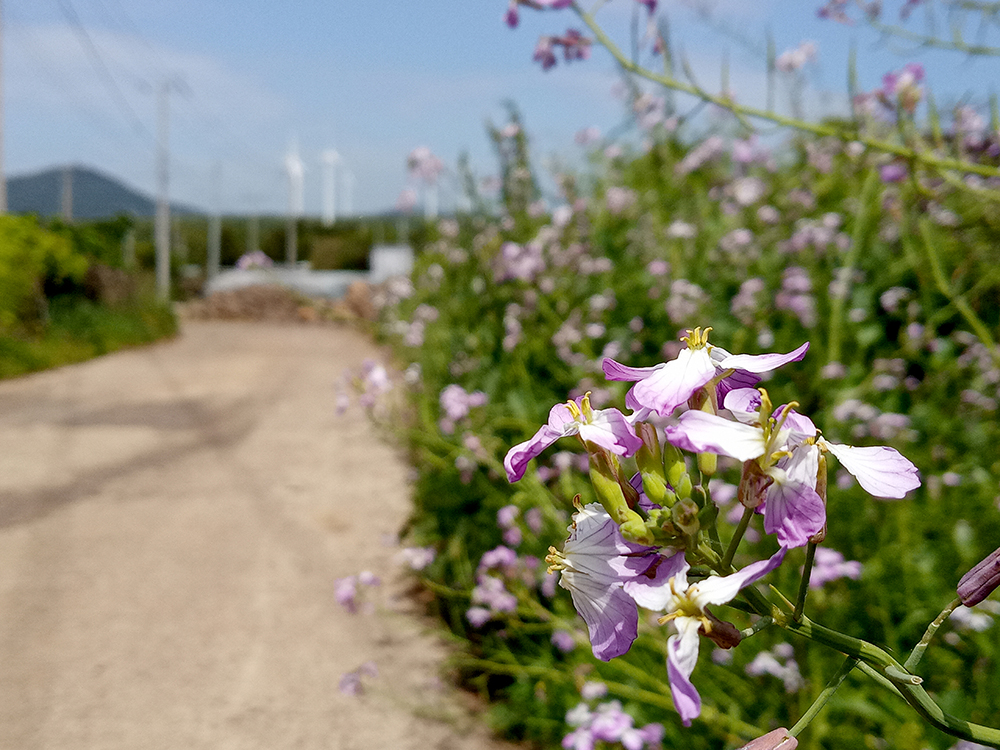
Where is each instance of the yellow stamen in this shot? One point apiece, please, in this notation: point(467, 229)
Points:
point(765, 405)
point(555, 560)
point(573, 409)
point(697, 339)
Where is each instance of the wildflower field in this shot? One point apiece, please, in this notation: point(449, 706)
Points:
point(641, 534)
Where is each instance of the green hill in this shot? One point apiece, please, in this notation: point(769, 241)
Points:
point(94, 195)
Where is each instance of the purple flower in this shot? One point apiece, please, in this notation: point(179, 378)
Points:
point(685, 604)
point(882, 471)
point(256, 259)
point(563, 640)
point(829, 565)
point(478, 616)
point(350, 684)
point(607, 428)
point(902, 87)
point(591, 690)
point(507, 516)
point(346, 593)
point(794, 59)
point(664, 387)
point(777, 739)
point(418, 558)
point(424, 165)
point(794, 511)
point(892, 172)
point(619, 199)
point(595, 564)
point(981, 581)
point(498, 558)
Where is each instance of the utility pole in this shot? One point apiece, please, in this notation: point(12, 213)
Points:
point(214, 249)
point(3, 176)
point(162, 230)
point(330, 159)
point(296, 172)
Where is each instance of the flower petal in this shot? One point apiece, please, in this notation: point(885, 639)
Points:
point(881, 470)
point(701, 432)
point(560, 417)
point(652, 591)
point(611, 429)
point(744, 403)
point(617, 371)
point(674, 382)
point(682, 656)
point(612, 617)
point(739, 379)
point(516, 460)
point(762, 362)
point(596, 548)
point(800, 425)
point(722, 589)
point(794, 510)
point(793, 513)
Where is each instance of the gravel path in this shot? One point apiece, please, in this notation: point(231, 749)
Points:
point(173, 521)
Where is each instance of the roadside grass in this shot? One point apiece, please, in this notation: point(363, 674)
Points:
point(79, 329)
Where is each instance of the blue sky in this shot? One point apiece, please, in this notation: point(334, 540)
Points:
point(372, 80)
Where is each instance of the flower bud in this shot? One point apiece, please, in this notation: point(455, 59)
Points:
point(673, 459)
point(981, 581)
point(708, 463)
point(650, 462)
point(685, 516)
point(776, 740)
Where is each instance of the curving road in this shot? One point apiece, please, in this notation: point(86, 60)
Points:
point(173, 521)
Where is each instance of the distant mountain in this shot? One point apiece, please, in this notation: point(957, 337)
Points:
point(95, 195)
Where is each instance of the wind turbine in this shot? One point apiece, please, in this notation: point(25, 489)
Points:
point(296, 202)
point(330, 158)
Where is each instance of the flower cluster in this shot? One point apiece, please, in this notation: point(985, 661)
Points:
point(642, 545)
point(349, 591)
point(606, 723)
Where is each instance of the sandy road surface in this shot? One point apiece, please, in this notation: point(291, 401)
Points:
point(172, 524)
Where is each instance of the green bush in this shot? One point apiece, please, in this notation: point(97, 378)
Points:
point(30, 256)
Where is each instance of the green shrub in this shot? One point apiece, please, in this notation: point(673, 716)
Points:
point(29, 257)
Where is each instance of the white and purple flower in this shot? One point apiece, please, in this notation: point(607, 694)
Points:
point(595, 564)
point(607, 428)
point(666, 386)
point(685, 605)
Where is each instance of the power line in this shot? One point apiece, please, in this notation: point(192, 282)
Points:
point(204, 114)
point(102, 69)
point(41, 65)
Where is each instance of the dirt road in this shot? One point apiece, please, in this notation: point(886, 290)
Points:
point(173, 521)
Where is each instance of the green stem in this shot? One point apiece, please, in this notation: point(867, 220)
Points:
point(918, 651)
point(763, 622)
point(824, 696)
point(877, 676)
point(727, 559)
point(908, 685)
point(713, 529)
point(925, 40)
point(977, 325)
point(818, 129)
point(862, 223)
point(800, 601)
